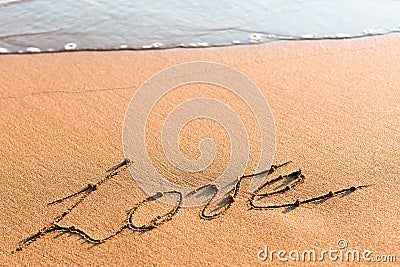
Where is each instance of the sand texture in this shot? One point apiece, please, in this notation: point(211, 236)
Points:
point(336, 106)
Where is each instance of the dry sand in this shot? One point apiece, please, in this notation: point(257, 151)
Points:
point(336, 106)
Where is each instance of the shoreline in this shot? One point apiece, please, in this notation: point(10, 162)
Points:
point(151, 48)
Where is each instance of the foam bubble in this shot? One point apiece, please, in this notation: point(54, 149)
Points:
point(286, 37)
point(124, 46)
point(255, 37)
point(368, 32)
point(33, 50)
point(309, 36)
point(236, 42)
point(3, 50)
point(70, 46)
point(342, 35)
point(157, 45)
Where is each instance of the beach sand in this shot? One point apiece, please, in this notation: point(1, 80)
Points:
point(336, 106)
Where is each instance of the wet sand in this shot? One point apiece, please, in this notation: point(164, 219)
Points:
point(336, 106)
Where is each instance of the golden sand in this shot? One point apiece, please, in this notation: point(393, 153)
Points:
point(336, 106)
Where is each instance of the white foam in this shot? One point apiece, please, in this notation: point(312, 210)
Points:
point(33, 50)
point(285, 37)
point(368, 32)
point(157, 45)
point(309, 36)
point(342, 35)
point(3, 50)
point(70, 46)
point(255, 37)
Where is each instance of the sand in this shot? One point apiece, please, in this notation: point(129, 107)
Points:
point(336, 106)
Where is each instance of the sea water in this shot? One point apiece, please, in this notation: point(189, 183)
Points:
point(28, 26)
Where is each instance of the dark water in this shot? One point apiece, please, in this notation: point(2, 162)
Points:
point(33, 25)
